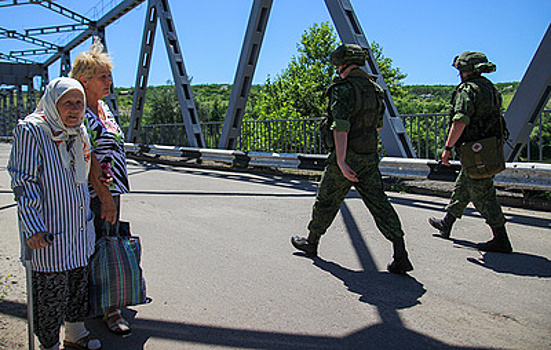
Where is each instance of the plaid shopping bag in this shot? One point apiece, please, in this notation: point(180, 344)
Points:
point(116, 278)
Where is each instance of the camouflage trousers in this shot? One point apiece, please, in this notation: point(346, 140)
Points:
point(334, 187)
point(483, 195)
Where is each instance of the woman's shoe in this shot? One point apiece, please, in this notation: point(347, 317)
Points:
point(116, 323)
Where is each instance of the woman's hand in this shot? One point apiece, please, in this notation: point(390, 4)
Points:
point(109, 210)
point(37, 241)
point(106, 177)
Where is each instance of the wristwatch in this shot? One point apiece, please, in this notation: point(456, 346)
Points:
point(448, 148)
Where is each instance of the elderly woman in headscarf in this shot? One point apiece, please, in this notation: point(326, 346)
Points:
point(50, 165)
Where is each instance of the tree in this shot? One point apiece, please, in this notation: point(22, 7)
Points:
point(392, 75)
point(162, 105)
point(298, 92)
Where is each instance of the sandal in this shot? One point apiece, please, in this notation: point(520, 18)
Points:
point(86, 343)
point(116, 323)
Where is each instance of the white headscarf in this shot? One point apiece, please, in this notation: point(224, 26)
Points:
point(47, 117)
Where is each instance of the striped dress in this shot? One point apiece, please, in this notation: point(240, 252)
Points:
point(108, 146)
point(50, 200)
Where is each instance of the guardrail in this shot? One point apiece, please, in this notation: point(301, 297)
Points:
point(526, 176)
point(427, 133)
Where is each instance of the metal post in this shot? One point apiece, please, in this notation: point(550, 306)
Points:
point(31, 100)
point(3, 114)
point(65, 64)
point(148, 37)
point(393, 134)
point(12, 110)
point(181, 80)
point(529, 100)
point(29, 278)
point(254, 36)
point(20, 103)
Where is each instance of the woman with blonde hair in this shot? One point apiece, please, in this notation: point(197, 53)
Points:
point(93, 70)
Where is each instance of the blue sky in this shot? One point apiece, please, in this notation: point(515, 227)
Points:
point(421, 37)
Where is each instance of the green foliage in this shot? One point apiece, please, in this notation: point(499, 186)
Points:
point(507, 91)
point(211, 101)
point(162, 106)
point(417, 99)
point(535, 135)
point(299, 90)
point(393, 75)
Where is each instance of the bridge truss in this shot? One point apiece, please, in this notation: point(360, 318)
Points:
point(16, 71)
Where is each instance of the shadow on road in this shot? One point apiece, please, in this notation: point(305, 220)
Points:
point(520, 264)
point(387, 292)
point(379, 336)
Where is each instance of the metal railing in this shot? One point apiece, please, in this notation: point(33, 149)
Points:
point(521, 176)
point(427, 133)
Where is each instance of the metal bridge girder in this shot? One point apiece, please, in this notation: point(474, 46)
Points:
point(529, 100)
point(393, 134)
point(117, 12)
point(160, 10)
point(254, 36)
point(142, 74)
point(181, 80)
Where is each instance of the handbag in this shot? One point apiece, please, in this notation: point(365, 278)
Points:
point(116, 278)
point(483, 158)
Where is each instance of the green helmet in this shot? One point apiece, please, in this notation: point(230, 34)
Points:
point(348, 54)
point(473, 61)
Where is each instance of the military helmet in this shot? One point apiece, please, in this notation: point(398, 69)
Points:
point(473, 61)
point(348, 54)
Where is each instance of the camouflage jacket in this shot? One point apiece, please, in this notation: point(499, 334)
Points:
point(477, 103)
point(356, 106)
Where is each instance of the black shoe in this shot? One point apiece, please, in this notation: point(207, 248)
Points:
point(444, 226)
point(499, 244)
point(400, 266)
point(495, 247)
point(302, 243)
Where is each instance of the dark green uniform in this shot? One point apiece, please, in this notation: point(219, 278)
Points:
point(476, 103)
point(360, 121)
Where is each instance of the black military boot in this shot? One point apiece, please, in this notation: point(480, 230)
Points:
point(444, 225)
point(401, 264)
point(499, 244)
point(309, 244)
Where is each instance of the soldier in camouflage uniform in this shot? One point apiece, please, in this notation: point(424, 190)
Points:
point(356, 109)
point(475, 114)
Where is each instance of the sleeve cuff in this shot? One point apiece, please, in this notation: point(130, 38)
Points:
point(340, 125)
point(462, 118)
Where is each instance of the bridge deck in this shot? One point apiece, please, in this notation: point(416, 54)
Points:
point(222, 273)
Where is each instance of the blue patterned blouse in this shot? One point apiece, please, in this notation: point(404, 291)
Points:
point(108, 146)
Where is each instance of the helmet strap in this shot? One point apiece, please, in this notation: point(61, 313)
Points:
point(343, 68)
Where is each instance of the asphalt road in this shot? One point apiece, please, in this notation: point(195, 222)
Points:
point(222, 273)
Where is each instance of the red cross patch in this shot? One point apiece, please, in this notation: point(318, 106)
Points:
point(477, 147)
